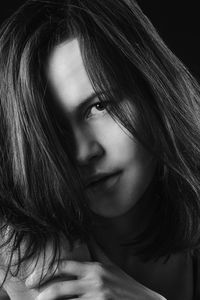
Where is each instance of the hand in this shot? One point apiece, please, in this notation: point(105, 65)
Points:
point(94, 281)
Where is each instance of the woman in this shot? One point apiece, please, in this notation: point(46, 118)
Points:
point(100, 154)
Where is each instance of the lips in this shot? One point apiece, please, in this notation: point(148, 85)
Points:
point(102, 179)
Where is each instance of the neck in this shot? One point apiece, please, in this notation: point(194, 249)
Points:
point(127, 226)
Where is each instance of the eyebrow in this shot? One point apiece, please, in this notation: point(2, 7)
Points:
point(87, 101)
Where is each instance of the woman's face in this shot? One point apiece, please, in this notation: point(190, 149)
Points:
point(115, 167)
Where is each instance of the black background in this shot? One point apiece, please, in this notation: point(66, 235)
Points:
point(177, 22)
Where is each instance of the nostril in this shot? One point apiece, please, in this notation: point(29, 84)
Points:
point(89, 152)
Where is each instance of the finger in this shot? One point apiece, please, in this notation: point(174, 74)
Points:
point(71, 267)
point(40, 275)
point(68, 289)
point(40, 269)
point(68, 269)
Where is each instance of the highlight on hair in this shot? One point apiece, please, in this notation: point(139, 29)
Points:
point(41, 194)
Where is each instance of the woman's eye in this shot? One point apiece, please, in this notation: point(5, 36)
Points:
point(96, 109)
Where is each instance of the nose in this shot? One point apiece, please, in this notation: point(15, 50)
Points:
point(88, 149)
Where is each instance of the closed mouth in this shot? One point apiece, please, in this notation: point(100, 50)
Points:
point(101, 179)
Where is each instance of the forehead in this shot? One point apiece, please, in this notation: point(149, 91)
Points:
point(67, 76)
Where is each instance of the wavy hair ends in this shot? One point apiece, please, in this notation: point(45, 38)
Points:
point(134, 62)
point(41, 193)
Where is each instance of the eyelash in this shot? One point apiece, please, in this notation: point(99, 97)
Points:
point(103, 103)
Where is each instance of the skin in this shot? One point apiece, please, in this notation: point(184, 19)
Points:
point(93, 281)
point(102, 145)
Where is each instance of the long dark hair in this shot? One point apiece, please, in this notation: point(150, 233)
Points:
point(41, 194)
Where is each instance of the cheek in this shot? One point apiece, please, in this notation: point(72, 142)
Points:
point(118, 143)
